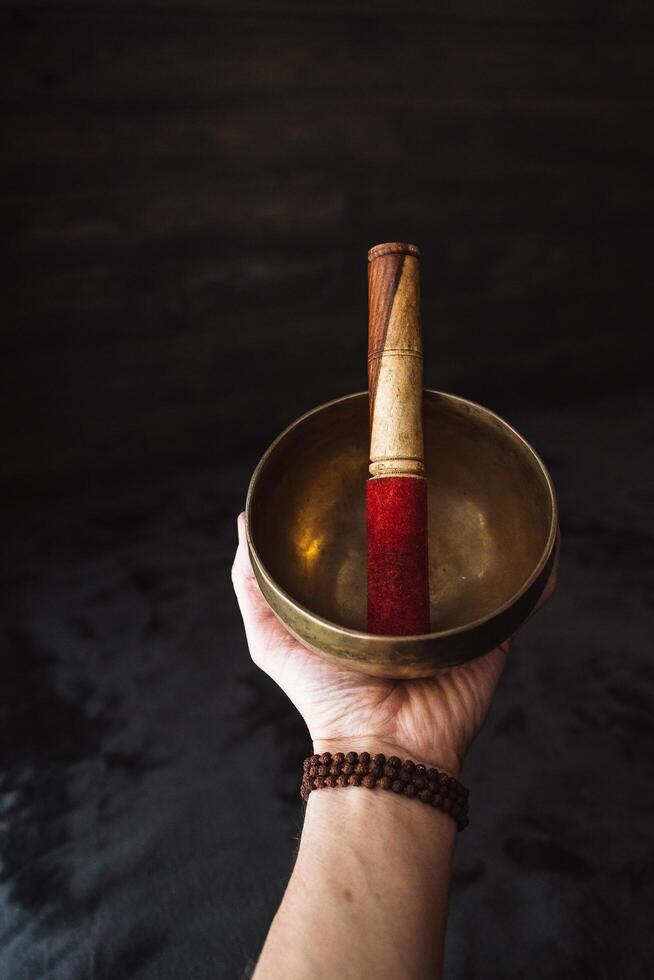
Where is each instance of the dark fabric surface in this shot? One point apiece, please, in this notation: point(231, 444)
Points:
point(151, 772)
point(190, 191)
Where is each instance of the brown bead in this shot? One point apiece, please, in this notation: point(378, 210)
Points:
point(443, 778)
point(326, 758)
point(419, 782)
point(313, 771)
point(306, 763)
point(405, 776)
point(447, 805)
point(410, 790)
point(352, 758)
point(390, 770)
point(456, 810)
point(319, 782)
point(436, 800)
point(330, 780)
point(339, 757)
point(420, 770)
point(323, 770)
point(409, 765)
point(433, 785)
point(342, 780)
point(397, 786)
point(380, 759)
point(452, 782)
point(315, 760)
point(386, 782)
point(347, 768)
point(362, 767)
point(377, 771)
point(369, 781)
point(425, 796)
point(355, 779)
point(432, 774)
point(364, 757)
point(394, 761)
point(335, 769)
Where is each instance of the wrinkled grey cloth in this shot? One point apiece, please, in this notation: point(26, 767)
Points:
point(150, 773)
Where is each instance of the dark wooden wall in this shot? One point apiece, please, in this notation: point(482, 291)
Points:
point(190, 189)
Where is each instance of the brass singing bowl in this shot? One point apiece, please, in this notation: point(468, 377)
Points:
point(492, 533)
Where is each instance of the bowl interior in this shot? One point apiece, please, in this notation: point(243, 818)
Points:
point(490, 511)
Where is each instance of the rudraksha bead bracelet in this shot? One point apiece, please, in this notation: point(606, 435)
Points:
point(415, 780)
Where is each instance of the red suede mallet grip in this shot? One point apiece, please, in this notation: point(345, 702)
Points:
point(396, 494)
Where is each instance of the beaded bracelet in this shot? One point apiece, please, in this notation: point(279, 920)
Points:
point(429, 785)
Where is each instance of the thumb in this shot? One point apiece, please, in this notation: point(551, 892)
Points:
point(271, 646)
point(255, 611)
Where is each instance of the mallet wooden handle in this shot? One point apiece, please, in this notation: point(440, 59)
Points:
point(395, 361)
point(396, 493)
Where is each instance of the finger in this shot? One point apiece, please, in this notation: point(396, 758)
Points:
point(242, 568)
point(253, 605)
point(271, 646)
point(254, 608)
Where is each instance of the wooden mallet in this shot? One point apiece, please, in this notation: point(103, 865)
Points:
point(396, 493)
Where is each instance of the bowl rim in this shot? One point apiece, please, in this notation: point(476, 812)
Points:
point(413, 637)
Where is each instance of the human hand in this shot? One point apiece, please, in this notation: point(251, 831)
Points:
point(432, 720)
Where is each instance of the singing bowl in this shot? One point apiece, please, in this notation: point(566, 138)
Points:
point(492, 532)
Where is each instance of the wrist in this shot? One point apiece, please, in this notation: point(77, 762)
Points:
point(408, 823)
point(441, 758)
point(368, 893)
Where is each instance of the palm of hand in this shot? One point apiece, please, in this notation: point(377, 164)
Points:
point(431, 720)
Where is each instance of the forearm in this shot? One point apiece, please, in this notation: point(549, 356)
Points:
point(369, 891)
